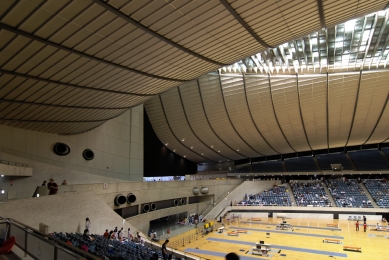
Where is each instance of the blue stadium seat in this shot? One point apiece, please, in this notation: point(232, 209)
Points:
point(268, 166)
point(301, 164)
point(369, 160)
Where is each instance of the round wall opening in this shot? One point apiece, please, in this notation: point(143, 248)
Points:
point(182, 201)
point(146, 208)
point(153, 206)
point(88, 154)
point(61, 149)
point(131, 198)
point(120, 200)
point(175, 202)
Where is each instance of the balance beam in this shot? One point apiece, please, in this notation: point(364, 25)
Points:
point(327, 240)
point(353, 248)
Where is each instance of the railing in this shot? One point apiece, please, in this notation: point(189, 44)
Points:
point(171, 249)
point(38, 245)
point(13, 163)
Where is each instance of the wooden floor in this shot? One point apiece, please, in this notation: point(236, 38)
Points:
point(373, 247)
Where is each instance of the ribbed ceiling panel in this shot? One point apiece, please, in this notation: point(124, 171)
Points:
point(342, 94)
point(287, 109)
point(74, 58)
point(217, 114)
point(178, 122)
point(313, 100)
point(371, 101)
point(310, 112)
point(261, 107)
point(161, 127)
point(197, 118)
point(235, 99)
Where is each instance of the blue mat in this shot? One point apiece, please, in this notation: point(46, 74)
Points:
point(206, 252)
point(298, 249)
point(290, 233)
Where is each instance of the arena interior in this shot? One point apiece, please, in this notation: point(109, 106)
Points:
point(254, 127)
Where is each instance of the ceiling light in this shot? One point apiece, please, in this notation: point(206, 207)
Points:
point(238, 150)
point(218, 151)
point(211, 146)
point(174, 150)
point(183, 139)
point(2, 175)
point(184, 156)
point(202, 154)
point(191, 147)
point(166, 144)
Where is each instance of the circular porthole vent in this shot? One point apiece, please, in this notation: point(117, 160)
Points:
point(153, 206)
point(120, 200)
point(146, 208)
point(88, 154)
point(131, 198)
point(61, 149)
point(176, 202)
point(182, 201)
point(196, 191)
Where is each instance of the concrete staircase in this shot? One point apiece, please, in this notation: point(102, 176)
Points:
point(284, 166)
point(351, 162)
point(317, 163)
point(289, 188)
point(368, 195)
point(329, 194)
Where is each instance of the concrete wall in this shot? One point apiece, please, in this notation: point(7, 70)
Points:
point(154, 191)
point(247, 187)
point(142, 222)
point(64, 212)
point(24, 187)
point(117, 144)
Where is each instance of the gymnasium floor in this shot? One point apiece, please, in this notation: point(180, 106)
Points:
point(305, 242)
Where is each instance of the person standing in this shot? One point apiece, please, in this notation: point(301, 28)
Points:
point(164, 251)
point(87, 224)
point(129, 233)
point(53, 187)
point(364, 227)
point(357, 226)
point(364, 219)
point(168, 233)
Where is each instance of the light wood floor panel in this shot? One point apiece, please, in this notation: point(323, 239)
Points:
point(372, 247)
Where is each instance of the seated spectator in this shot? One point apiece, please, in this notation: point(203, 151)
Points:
point(64, 182)
point(106, 234)
point(86, 235)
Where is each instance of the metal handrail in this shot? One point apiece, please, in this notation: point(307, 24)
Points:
point(58, 244)
point(13, 163)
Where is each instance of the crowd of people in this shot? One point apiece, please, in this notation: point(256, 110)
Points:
point(192, 220)
point(310, 193)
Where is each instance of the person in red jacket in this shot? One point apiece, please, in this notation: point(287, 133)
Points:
point(357, 226)
point(364, 227)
